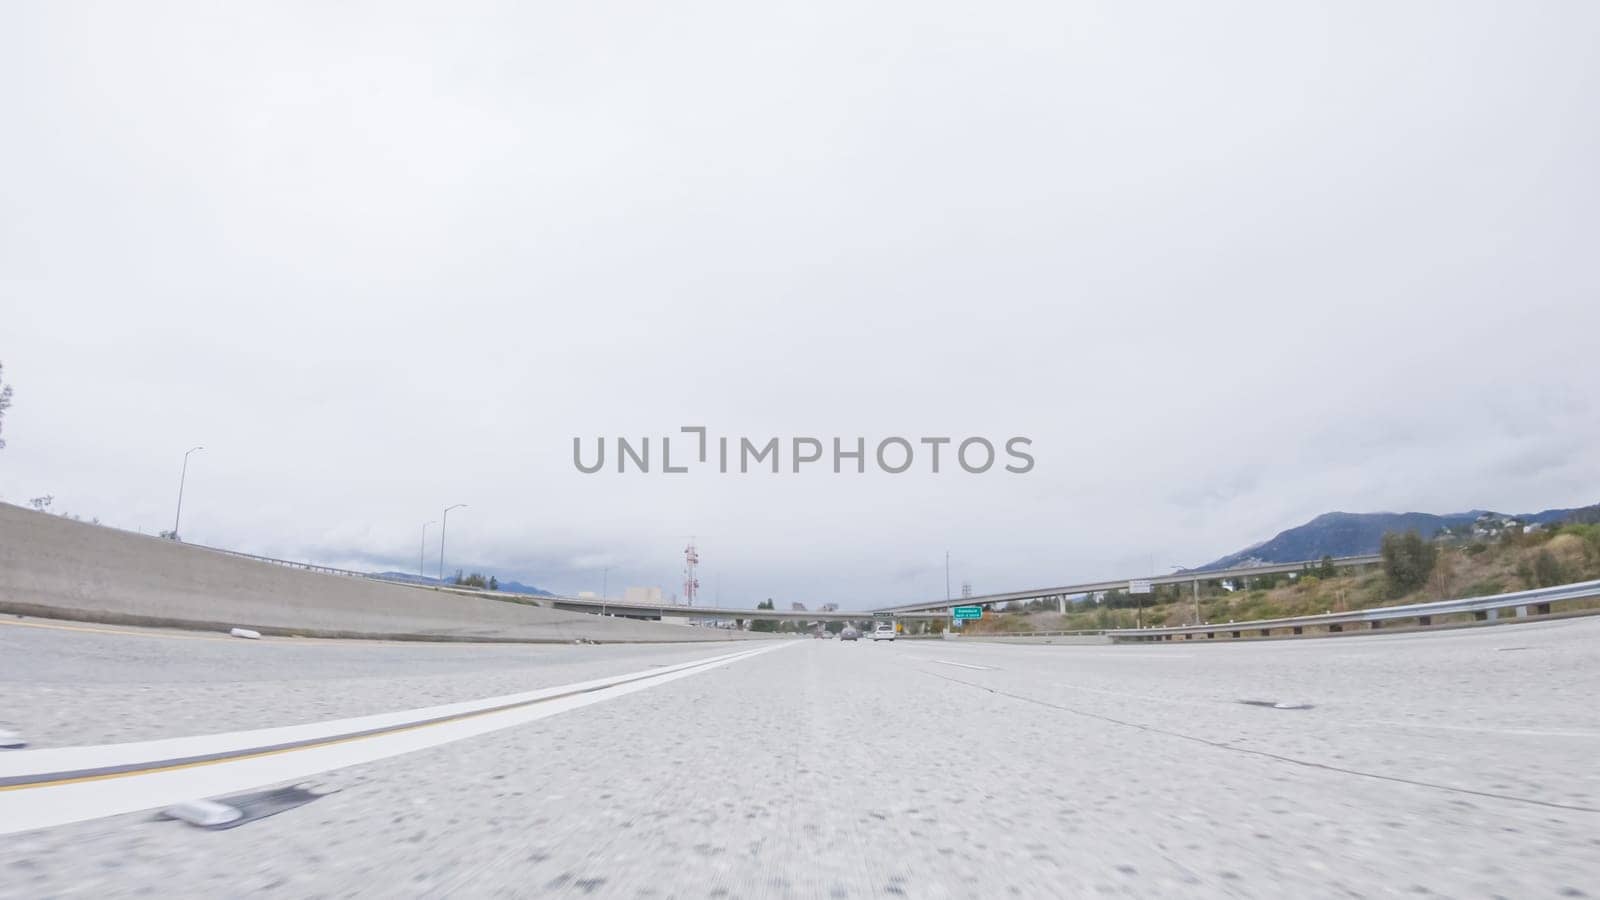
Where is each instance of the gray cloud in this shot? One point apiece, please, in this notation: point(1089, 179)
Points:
point(1228, 267)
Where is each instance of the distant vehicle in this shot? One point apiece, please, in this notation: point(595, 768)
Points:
point(849, 634)
point(883, 631)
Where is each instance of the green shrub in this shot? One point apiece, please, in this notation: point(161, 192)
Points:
point(1547, 570)
point(1408, 560)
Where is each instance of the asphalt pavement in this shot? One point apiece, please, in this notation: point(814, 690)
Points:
point(1457, 764)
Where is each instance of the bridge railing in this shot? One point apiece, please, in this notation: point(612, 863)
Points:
point(1533, 602)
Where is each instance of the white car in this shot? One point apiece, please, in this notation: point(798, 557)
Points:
point(883, 631)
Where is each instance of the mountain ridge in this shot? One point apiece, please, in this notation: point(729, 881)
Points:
point(1357, 534)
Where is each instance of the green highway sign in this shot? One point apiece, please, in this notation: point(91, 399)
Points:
point(967, 612)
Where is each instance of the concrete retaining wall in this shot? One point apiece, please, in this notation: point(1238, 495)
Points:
point(55, 567)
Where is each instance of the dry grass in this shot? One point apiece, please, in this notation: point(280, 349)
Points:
point(1463, 570)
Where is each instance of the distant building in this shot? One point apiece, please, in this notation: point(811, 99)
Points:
point(646, 596)
point(797, 607)
point(830, 607)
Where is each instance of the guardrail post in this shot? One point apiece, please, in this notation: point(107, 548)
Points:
point(1522, 612)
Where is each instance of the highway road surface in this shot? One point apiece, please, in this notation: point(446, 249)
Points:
point(1459, 763)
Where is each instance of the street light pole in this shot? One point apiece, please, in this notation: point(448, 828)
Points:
point(181, 479)
point(422, 549)
point(605, 582)
point(444, 524)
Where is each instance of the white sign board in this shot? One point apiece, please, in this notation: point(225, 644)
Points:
point(1138, 587)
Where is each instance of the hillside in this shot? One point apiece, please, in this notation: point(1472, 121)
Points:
point(1358, 534)
point(1465, 567)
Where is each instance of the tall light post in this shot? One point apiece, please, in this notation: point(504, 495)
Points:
point(444, 524)
point(423, 549)
point(605, 583)
point(178, 516)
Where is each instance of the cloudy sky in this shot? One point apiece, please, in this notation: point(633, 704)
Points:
point(1228, 266)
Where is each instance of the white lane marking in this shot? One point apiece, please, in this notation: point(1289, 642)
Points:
point(26, 808)
point(951, 662)
point(57, 759)
point(1530, 732)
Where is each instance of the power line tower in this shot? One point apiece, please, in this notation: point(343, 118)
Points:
point(691, 582)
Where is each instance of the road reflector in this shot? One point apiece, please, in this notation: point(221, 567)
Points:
point(204, 813)
point(230, 812)
point(11, 740)
point(246, 633)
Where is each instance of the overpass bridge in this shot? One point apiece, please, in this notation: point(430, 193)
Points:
point(673, 610)
point(1060, 592)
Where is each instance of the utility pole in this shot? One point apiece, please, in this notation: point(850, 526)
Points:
point(422, 550)
point(181, 479)
point(605, 583)
point(444, 524)
point(947, 575)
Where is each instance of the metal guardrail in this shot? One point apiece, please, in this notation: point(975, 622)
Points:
point(1483, 608)
point(1094, 632)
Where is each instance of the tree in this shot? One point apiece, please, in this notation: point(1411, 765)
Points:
point(766, 625)
point(1325, 569)
point(476, 580)
point(494, 583)
point(1408, 560)
point(5, 403)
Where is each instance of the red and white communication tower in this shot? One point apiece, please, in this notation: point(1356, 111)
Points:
point(691, 584)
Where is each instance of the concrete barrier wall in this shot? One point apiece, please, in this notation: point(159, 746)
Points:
point(55, 567)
